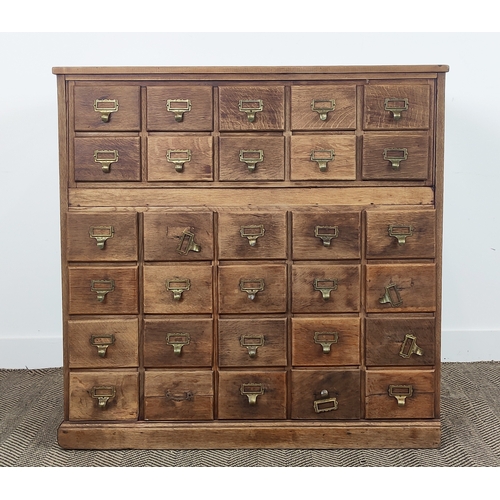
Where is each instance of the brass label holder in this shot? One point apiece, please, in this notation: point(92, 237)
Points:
point(187, 243)
point(178, 341)
point(102, 288)
point(395, 156)
point(391, 296)
point(102, 342)
point(325, 404)
point(326, 234)
point(177, 286)
point(103, 394)
point(106, 157)
point(252, 343)
point(396, 106)
point(251, 391)
point(325, 286)
point(252, 286)
point(323, 107)
point(250, 157)
point(252, 232)
point(400, 232)
point(322, 157)
point(182, 396)
point(409, 347)
point(101, 234)
point(401, 392)
point(250, 107)
point(105, 107)
point(178, 157)
point(178, 107)
point(325, 340)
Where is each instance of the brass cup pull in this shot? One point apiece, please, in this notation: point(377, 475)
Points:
point(409, 347)
point(326, 403)
point(322, 157)
point(395, 156)
point(105, 107)
point(178, 286)
point(178, 341)
point(323, 107)
point(250, 157)
point(400, 232)
point(187, 243)
point(325, 340)
point(180, 396)
point(250, 107)
point(391, 296)
point(252, 233)
point(101, 234)
point(325, 286)
point(103, 394)
point(102, 288)
point(396, 106)
point(252, 343)
point(401, 392)
point(178, 157)
point(106, 157)
point(326, 234)
point(252, 286)
point(102, 342)
point(251, 391)
point(178, 107)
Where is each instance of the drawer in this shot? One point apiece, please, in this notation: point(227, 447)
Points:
point(178, 395)
point(253, 395)
point(406, 341)
point(103, 343)
point(397, 394)
point(325, 235)
point(101, 237)
point(396, 106)
point(180, 158)
point(252, 342)
point(325, 341)
point(107, 107)
point(252, 108)
point(323, 157)
point(253, 289)
point(103, 290)
point(178, 289)
point(401, 234)
point(247, 158)
point(395, 156)
point(325, 289)
point(180, 108)
point(103, 395)
point(250, 236)
point(102, 159)
point(323, 107)
point(178, 343)
point(182, 236)
point(401, 288)
point(326, 394)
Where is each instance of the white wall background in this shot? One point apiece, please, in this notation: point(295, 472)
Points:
point(30, 290)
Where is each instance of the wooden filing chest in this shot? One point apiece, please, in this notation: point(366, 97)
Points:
point(251, 256)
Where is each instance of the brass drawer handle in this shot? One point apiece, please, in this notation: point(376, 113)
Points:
point(102, 288)
point(252, 286)
point(178, 157)
point(401, 392)
point(322, 157)
point(187, 243)
point(105, 107)
point(409, 347)
point(178, 341)
point(250, 107)
point(396, 106)
point(323, 107)
point(103, 394)
point(325, 286)
point(251, 157)
point(326, 234)
point(252, 343)
point(101, 234)
point(391, 296)
point(178, 107)
point(251, 391)
point(183, 396)
point(252, 233)
point(325, 340)
point(395, 156)
point(177, 286)
point(326, 403)
point(400, 232)
point(106, 157)
point(102, 342)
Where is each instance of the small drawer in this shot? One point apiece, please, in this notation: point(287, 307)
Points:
point(394, 288)
point(101, 237)
point(103, 343)
point(103, 159)
point(250, 236)
point(323, 107)
point(325, 289)
point(247, 158)
point(400, 341)
point(325, 341)
point(180, 108)
point(324, 235)
point(254, 289)
point(252, 108)
point(323, 157)
point(252, 342)
point(396, 106)
point(178, 289)
point(103, 290)
point(107, 107)
point(178, 395)
point(102, 395)
point(401, 234)
point(397, 394)
point(326, 394)
point(182, 236)
point(180, 158)
point(395, 156)
point(177, 343)
point(253, 395)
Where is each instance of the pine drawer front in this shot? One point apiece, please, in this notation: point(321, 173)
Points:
point(103, 343)
point(397, 394)
point(178, 395)
point(178, 343)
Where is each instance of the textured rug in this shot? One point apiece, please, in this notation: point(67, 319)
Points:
point(31, 411)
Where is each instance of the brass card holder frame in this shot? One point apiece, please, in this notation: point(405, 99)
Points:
point(250, 157)
point(409, 347)
point(105, 107)
point(325, 340)
point(102, 342)
point(391, 296)
point(322, 157)
point(401, 392)
point(178, 341)
point(102, 288)
point(395, 156)
point(323, 107)
point(178, 157)
point(106, 157)
point(252, 391)
point(252, 286)
point(396, 106)
point(252, 232)
point(325, 404)
point(187, 243)
point(178, 286)
point(326, 234)
point(325, 286)
point(101, 234)
point(103, 394)
point(252, 343)
point(178, 107)
point(400, 232)
point(182, 396)
point(251, 107)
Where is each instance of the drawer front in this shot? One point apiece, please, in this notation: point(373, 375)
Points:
point(395, 394)
point(103, 343)
point(325, 341)
point(253, 289)
point(247, 158)
point(251, 236)
point(103, 395)
point(252, 108)
point(323, 107)
point(180, 158)
point(180, 236)
point(324, 235)
point(253, 395)
point(103, 290)
point(252, 342)
point(103, 159)
point(107, 107)
point(179, 108)
point(323, 157)
point(178, 289)
point(178, 395)
point(396, 106)
point(326, 394)
point(325, 289)
point(177, 343)
point(400, 341)
point(401, 288)
point(395, 157)
point(401, 234)
point(101, 237)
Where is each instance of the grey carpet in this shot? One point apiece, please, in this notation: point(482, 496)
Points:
point(31, 411)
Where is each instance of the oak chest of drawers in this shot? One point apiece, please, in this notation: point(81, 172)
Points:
point(251, 256)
